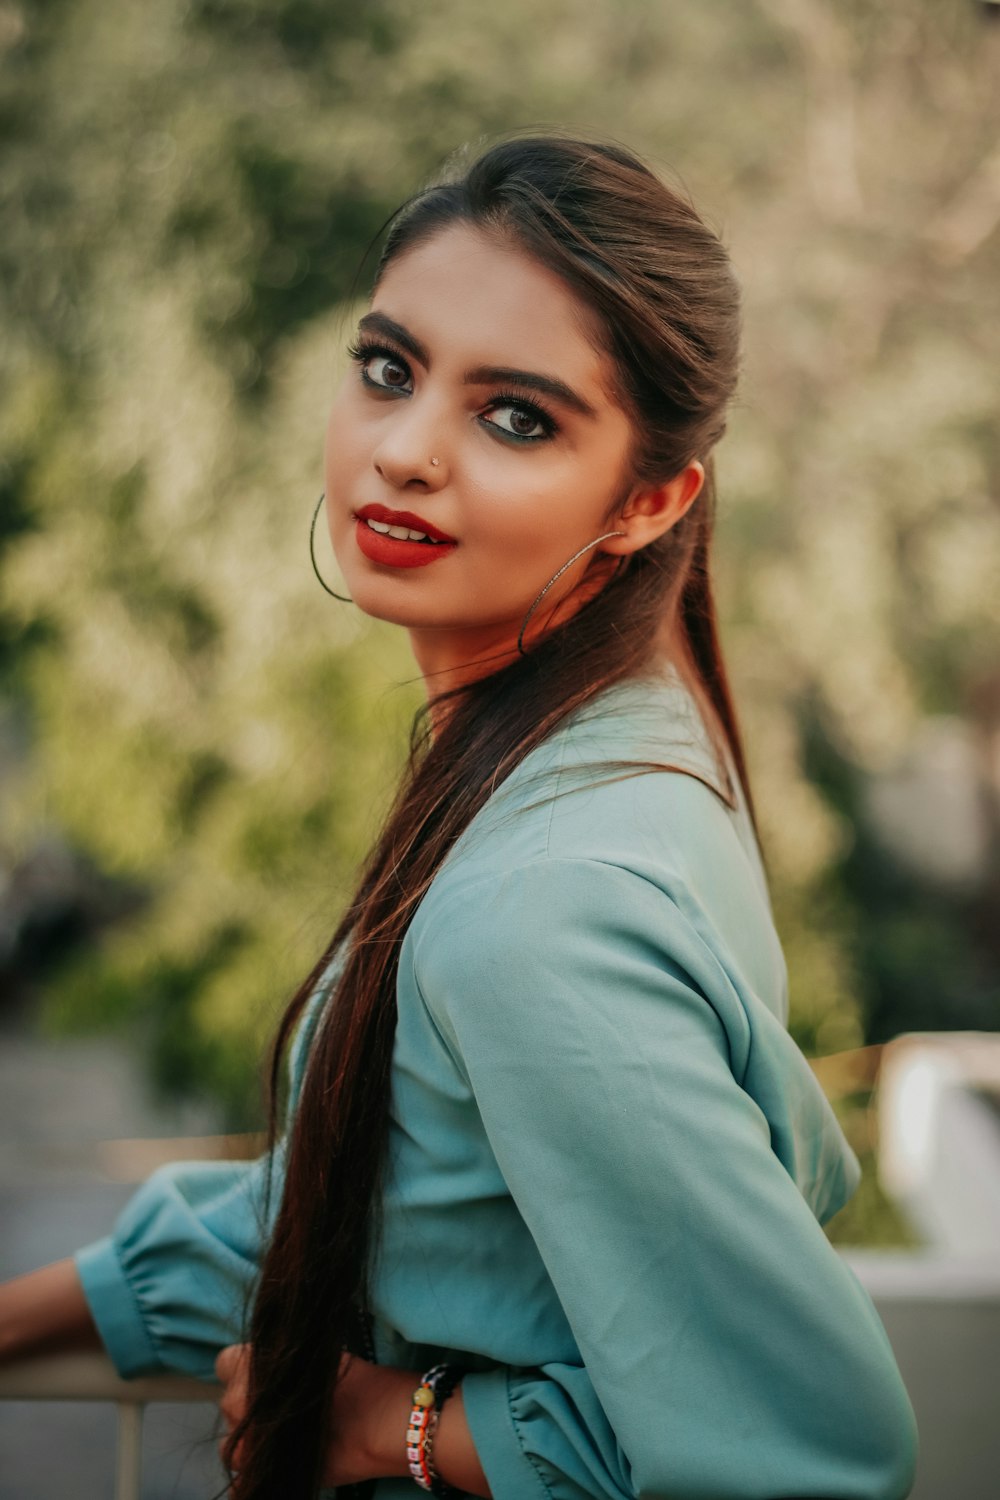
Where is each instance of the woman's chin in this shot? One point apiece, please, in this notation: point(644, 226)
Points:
point(381, 599)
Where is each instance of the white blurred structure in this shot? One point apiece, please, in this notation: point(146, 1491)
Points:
point(939, 1158)
point(939, 1137)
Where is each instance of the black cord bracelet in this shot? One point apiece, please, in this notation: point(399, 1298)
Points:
point(443, 1380)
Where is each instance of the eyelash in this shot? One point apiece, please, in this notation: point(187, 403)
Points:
point(363, 350)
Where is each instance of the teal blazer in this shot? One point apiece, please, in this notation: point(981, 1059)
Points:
point(609, 1163)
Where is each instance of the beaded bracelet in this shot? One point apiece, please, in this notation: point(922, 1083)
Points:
point(428, 1399)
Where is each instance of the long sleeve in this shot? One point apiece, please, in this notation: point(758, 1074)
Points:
point(725, 1347)
point(168, 1287)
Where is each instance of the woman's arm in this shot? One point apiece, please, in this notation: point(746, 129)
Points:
point(169, 1287)
point(371, 1411)
point(725, 1346)
point(165, 1290)
point(45, 1312)
point(372, 1408)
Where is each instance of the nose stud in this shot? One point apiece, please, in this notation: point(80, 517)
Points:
point(435, 462)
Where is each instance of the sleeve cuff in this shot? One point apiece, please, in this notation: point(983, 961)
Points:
point(115, 1311)
point(511, 1473)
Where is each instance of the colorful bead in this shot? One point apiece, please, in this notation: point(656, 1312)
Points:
point(426, 1403)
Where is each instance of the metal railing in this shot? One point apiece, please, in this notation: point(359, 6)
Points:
point(92, 1377)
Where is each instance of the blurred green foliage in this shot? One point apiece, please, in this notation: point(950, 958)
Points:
point(187, 192)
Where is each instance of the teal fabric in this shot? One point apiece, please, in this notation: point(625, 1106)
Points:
point(609, 1164)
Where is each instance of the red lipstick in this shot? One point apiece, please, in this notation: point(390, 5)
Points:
point(399, 552)
point(402, 518)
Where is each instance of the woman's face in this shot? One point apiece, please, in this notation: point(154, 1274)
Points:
point(477, 356)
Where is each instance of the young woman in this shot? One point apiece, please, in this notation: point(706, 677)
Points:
point(546, 1126)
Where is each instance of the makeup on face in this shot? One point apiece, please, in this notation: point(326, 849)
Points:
point(375, 325)
point(380, 366)
point(400, 539)
point(476, 355)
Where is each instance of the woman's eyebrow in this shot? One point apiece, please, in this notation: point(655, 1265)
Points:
point(548, 385)
point(376, 322)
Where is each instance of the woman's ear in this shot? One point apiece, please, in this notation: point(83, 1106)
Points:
point(653, 509)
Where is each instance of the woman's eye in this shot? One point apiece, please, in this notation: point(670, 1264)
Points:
point(387, 371)
point(520, 421)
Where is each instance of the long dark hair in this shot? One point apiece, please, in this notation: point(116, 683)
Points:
point(667, 304)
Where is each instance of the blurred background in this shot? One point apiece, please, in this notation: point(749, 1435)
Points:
point(196, 743)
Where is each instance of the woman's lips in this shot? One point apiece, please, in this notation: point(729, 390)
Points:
point(385, 518)
point(392, 552)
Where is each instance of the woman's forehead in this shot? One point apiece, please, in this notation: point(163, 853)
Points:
point(478, 298)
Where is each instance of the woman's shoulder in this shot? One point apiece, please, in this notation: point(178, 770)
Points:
point(635, 779)
point(628, 800)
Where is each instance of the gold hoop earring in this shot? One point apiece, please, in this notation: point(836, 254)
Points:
point(553, 579)
point(312, 554)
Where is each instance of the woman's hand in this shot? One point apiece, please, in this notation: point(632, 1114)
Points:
point(232, 1370)
point(371, 1406)
point(371, 1409)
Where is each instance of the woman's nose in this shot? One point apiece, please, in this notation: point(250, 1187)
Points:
point(412, 452)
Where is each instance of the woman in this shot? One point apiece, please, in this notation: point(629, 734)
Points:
point(546, 1126)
